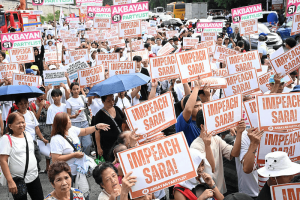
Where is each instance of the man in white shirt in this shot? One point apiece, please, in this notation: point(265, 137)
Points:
point(56, 107)
point(155, 48)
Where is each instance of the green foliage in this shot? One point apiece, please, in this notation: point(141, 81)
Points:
point(50, 16)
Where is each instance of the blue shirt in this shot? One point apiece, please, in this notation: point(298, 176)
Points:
point(190, 129)
point(229, 30)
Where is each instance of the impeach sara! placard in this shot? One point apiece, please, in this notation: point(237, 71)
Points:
point(153, 115)
point(282, 111)
point(158, 165)
point(288, 191)
point(222, 114)
point(193, 64)
point(90, 76)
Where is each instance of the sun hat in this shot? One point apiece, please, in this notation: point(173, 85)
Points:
point(271, 80)
point(278, 164)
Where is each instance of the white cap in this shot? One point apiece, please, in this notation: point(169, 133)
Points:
point(52, 67)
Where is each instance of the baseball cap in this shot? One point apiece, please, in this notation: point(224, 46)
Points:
point(296, 88)
point(52, 67)
point(264, 34)
point(29, 71)
point(271, 80)
point(34, 67)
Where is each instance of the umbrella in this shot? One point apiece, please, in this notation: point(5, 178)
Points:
point(172, 22)
point(272, 17)
point(9, 93)
point(118, 83)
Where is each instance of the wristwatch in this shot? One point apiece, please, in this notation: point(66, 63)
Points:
point(213, 187)
point(96, 128)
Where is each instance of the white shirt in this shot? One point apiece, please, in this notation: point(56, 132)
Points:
point(53, 110)
point(63, 98)
point(155, 48)
point(96, 105)
point(31, 123)
point(6, 105)
point(135, 100)
point(178, 88)
point(248, 183)
point(17, 155)
point(123, 102)
point(59, 145)
point(75, 104)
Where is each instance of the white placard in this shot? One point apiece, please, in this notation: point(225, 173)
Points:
point(89, 76)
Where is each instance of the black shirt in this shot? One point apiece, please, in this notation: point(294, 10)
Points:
point(144, 88)
point(108, 138)
point(39, 60)
point(265, 193)
point(178, 109)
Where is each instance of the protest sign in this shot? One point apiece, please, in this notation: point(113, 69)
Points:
point(102, 22)
point(153, 115)
point(130, 29)
point(144, 54)
point(243, 82)
point(22, 39)
point(264, 83)
point(84, 2)
point(248, 27)
point(276, 141)
point(222, 52)
point(220, 72)
point(289, 191)
point(243, 62)
point(71, 43)
point(53, 56)
point(158, 165)
point(50, 32)
point(73, 25)
point(164, 67)
point(78, 54)
point(73, 67)
point(115, 41)
point(210, 45)
point(165, 50)
point(54, 77)
point(120, 2)
point(23, 79)
point(151, 31)
point(246, 13)
point(123, 67)
point(98, 11)
point(73, 19)
point(104, 59)
point(51, 2)
point(64, 33)
point(214, 83)
point(21, 55)
point(287, 62)
point(208, 36)
point(129, 12)
point(251, 112)
point(137, 45)
point(171, 34)
point(150, 137)
point(209, 27)
point(29, 28)
point(296, 24)
point(7, 70)
point(192, 64)
point(89, 76)
point(189, 42)
point(282, 109)
point(292, 7)
point(222, 114)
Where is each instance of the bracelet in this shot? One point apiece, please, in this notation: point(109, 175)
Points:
point(96, 128)
point(213, 187)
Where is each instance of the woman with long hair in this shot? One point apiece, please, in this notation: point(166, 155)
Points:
point(21, 171)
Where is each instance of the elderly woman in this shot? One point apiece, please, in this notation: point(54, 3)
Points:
point(113, 116)
point(60, 177)
point(65, 143)
point(106, 175)
point(18, 146)
point(206, 187)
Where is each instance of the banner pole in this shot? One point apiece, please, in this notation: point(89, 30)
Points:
point(130, 49)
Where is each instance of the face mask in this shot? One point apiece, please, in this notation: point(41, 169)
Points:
point(35, 72)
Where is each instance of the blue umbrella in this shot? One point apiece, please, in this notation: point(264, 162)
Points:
point(10, 92)
point(118, 83)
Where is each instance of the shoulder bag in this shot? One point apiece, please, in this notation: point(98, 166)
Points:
point(19, 181)
point(107, 113)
